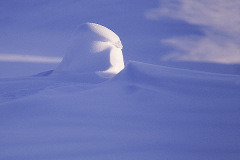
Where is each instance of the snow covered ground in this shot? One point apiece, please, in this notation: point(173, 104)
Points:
point(145, 112)
point(174, 96)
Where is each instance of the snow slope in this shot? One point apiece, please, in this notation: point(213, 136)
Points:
point(144, 112)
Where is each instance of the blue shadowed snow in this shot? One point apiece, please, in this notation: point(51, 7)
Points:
point(151, 109)
point(145, 112)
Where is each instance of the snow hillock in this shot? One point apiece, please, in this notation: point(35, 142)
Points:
point(94, 49)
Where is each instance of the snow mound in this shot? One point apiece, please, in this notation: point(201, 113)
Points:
point(94, 49)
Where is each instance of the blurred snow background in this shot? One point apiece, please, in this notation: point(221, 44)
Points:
point(202, 35)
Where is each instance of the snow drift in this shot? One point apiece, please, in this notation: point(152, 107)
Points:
point(94, 49)
point(145, 112)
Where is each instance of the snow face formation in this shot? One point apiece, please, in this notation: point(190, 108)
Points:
point(94, 48)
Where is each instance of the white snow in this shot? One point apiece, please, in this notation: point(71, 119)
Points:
point(94, 48)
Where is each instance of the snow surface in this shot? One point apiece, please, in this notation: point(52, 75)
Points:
point(144, 112)
point(94, 48)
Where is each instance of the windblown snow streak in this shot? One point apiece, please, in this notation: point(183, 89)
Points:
point(29, 58)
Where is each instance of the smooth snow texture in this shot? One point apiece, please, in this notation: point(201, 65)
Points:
point(94, 48)
point(146, 112)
